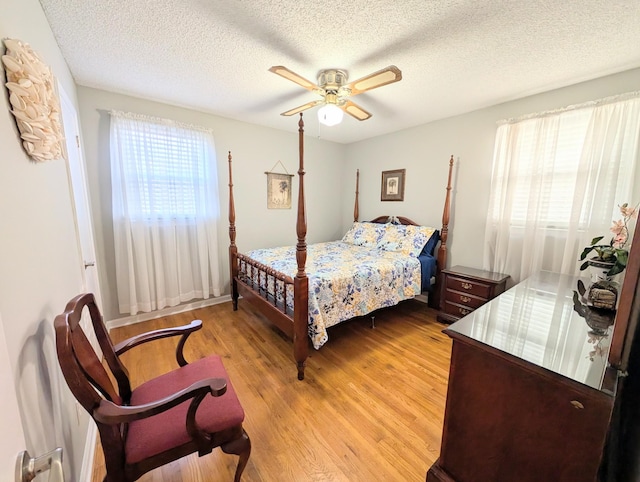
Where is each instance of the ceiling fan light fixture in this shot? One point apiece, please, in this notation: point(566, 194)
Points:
point(330, 115)
point(335, 91)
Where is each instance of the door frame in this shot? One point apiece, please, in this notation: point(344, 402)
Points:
point(83, 224)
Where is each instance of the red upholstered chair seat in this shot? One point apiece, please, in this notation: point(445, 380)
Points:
point(162, 432)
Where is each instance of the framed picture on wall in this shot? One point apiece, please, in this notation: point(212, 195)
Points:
point(278, 190)
point(393, 185)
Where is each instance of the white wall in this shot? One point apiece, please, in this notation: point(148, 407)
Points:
point(254, 149)
point(424, 152)
point(39, 261)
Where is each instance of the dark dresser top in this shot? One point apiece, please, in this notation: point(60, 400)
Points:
point(537, 321)
point(479, 274)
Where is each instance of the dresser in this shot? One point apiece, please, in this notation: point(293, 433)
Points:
point(465, 289)
point(530, 393)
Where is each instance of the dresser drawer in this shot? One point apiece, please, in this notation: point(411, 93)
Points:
point(468, 286)
point(466, 299)
point(456, 310)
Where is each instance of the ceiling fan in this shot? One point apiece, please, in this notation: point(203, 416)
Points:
point(335, 91)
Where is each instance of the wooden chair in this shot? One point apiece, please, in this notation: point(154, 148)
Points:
point(190, 409)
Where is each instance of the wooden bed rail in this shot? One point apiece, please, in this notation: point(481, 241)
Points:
point(270, 284)
point(247, 265)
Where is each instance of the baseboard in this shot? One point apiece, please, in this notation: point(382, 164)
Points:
point(174, 310)
point(89, 453)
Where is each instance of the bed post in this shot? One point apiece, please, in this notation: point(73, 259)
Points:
point(301, 282)
point(442, 250)
point(356, 214)
point(233, 249)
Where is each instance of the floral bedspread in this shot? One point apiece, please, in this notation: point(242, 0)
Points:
point(346, 281)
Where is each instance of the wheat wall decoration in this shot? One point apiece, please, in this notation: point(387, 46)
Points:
point(34, 100)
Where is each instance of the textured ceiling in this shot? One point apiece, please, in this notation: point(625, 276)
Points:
point(455, 55)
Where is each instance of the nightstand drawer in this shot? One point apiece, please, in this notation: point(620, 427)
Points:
point(465, 289)
point(468, 286)
point(465, 299)
point(456, 310)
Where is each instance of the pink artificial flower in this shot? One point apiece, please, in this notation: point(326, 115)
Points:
point(627, 211)
point(620, 240)
point(618, 227)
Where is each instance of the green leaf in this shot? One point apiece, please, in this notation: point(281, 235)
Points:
point(616, 268)
point(622, 256)
point(586, 251)
point(596, 240)
point(584, 265)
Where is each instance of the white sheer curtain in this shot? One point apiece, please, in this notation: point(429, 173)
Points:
point(165, 212)
point(557, 181)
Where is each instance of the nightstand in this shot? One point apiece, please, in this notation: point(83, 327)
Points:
point(465, 289)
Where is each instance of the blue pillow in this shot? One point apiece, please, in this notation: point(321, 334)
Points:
point(430, 247)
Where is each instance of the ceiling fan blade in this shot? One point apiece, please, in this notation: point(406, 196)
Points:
point(306, 106)
point(382, 77)
point(293, 77)
point(355, 110)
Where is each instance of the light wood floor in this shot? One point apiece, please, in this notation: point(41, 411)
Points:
point(370, 408)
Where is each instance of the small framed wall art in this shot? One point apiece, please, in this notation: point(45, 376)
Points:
point(393, 185)
point(279, 189)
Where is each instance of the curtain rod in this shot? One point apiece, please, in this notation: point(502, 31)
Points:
point(592, 103)
point(158, 120)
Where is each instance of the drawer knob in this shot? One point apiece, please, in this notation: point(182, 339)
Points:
point(467, 286)
point(577, 404)
point(463, 311)
point(465, 299)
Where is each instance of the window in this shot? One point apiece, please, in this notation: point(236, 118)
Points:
point(165, 169)
point(555, 179)
point(558, 178)
point(165, 212)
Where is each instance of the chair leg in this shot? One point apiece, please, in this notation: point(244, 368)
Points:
point(242, 447)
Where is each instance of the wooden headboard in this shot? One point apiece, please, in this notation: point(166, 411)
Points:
point(394, 220)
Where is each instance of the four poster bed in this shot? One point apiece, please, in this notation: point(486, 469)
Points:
point(376, 264)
